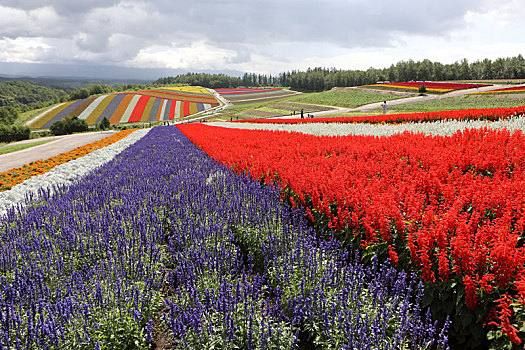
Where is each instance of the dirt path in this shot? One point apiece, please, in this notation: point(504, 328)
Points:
point(60, 145)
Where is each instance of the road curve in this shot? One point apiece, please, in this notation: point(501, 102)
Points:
point(60, 145)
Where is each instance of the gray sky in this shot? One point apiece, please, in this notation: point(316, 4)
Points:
point(258, 36)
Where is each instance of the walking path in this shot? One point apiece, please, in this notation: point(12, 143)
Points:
point(60, 145)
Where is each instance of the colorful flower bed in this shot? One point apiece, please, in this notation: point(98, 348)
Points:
point(430, 86)
point(451, 209)
point(514, 89)
point(191, 257)
point(12, 177)
point(125, 107)
point(442, 127)
point(462, 114)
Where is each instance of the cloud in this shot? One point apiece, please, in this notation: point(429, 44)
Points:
point(219, 34)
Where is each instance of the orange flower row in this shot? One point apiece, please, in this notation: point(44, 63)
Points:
point(12, 177)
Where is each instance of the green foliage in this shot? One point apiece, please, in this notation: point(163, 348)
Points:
point(8, 115)
point(68, 126)
point(24, 95)
point(422, 89)
point(104, 124)
point(92, 90)
point(10, 133)
point(201, 79)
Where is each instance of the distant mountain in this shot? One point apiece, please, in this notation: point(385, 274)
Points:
point(102, 74)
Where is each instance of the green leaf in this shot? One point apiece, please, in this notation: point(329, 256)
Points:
point(466, 318)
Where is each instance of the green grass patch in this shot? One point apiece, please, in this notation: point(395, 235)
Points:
point(466, 102)
point(14, 148)
point(346, 98)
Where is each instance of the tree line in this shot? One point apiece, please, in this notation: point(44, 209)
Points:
point(320, 79)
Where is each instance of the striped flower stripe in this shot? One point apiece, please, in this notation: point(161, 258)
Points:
point(81, 107)
point(92, 119)
point(147, 111)
point(89, 109)
point(162, 110)
point(136, 114)
point(113, 104)
point(194, 89)
point(119, 112)
point(63, 113)
point(129, 109)
point(177, 110)
point(155, 109)
point(174, 96)
point(166, 114)
point(48, 116)
point(192, 108)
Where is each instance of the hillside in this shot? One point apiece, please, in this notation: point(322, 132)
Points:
point(24, 95)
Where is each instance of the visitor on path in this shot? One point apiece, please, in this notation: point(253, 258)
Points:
point(302, 114)
point(384, 107)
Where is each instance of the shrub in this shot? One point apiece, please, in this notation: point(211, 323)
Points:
point(10, 133)
point(68, 126)
point(104, 124)
point(422, 89)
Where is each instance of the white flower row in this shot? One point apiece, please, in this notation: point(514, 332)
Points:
point(445, 128)
point(65, 174)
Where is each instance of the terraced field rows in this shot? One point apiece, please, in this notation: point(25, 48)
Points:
point(136, 106)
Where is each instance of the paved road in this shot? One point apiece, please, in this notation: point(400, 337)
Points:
point(60, 144)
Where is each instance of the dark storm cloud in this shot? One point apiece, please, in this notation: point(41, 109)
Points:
point(118, 30)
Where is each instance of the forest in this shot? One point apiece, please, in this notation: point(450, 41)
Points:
point(320, 79)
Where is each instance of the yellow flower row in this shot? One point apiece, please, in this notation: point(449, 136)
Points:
point(192, 89)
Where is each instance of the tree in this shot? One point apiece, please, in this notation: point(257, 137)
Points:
point(68, 126)
point(104, 124)
point(8, 115)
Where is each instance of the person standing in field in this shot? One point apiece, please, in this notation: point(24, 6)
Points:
point(384, 107)
point(302, 114)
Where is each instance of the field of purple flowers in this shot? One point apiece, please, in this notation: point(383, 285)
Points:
point(164, 248)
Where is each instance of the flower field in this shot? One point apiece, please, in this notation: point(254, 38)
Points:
point(435, 87)
point(449, 208)
point(192, 256)
point(513, 89)
point(441, 127)
point(136, 106)
point(490, 114)
point(15, 176)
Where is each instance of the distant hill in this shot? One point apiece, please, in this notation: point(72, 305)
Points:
point(69, 84)
point(25, 95)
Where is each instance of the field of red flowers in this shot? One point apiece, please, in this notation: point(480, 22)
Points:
point(451, 209)
point(462, 114)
